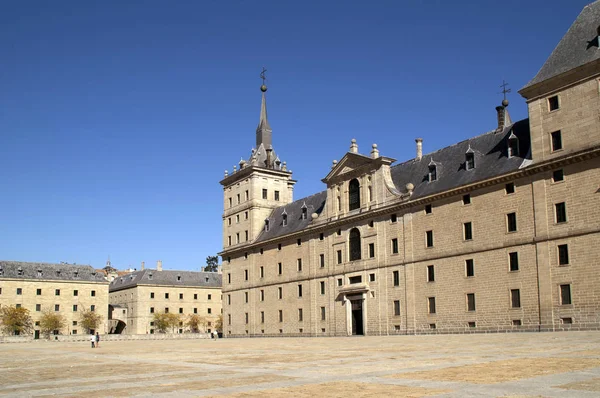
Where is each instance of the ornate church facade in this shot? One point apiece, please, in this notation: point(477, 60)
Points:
point(500, 232)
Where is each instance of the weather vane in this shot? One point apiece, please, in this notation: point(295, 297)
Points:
point(504, 89)
point(262, 75)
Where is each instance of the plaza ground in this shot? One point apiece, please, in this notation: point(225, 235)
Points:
point(565, 364)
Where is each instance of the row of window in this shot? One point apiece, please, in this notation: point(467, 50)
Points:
point(237, 218)
point(38, 307)
point(265, 195)
point(38, 292)
point(280, 316)
point(209, 297)
point(195, 310)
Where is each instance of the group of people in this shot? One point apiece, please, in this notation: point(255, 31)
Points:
point(95, 340)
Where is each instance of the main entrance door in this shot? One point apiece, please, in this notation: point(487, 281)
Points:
point(357, 317)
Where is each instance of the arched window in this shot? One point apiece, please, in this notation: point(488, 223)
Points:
point(354, 194)
point(354, 244)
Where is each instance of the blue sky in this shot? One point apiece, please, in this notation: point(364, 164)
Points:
point(118, 119)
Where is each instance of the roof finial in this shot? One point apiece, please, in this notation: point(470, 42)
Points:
point(263, 88)
point(504, 91)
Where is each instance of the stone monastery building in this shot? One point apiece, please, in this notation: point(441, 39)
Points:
point(500, 232)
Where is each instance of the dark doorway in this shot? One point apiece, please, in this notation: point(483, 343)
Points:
point(357, 317)
point(36, 334)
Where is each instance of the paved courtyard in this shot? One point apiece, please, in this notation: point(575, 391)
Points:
point(563, 364)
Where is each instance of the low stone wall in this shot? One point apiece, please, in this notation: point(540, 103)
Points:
point(108, 337)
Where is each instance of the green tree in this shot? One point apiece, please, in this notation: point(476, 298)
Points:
point(51, 321)
point(90, 320)
point(195, 323)
point(212, 264)
point(165, 321)
point(15, 321)
point(219, 323)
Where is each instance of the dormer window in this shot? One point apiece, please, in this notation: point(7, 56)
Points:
point(432, 172)
point(20, 271)
point(470, 160)
point(150, 276)
point(178, 278)
point(304, 212)
point(57, 272)
point(513, 145)
point(353, 195)
point(266, 225)
point(206, 279)
point(76, 274)
point(284, 216)
point(40, 273)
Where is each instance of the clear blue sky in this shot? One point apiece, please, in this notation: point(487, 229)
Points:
point(118, 118)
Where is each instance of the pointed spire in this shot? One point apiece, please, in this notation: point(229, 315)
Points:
point(263, 131)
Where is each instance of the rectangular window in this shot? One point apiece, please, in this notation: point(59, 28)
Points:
point(262, 271)
point(246, 316)
point(246, 274)
point(209, 311)
point(92, 308)
point(262, 295)
point(470, 301)
point(371, 277)
point(322, 260)
point(339, 256)
point(556, 141)
point(300, 315)
point(396, 275)
point(166, 310)
point(468, 230)
point(276, 195)
point(340, 282)
point(558, 175)
point(565, 294)
point(394, 218)
point(229, 319)
point(195, 310)
point(279, 268)
point(262, 317)
point(180, 296)
point(509, 188)
point(428, 209)
point(19, 291)
point(38, 292)
point(56, 307)
point(38, 307)
point(264, 194)
point(279, 246)
point(280, 315)
point(180, 310)
point(228, 278)
point(57, 292)
point(470, 267)
point(355, 279)
point(166, 295)
point(397, 307)
point(246, 235)
point(429, 238)
point(430, 273)
point(245, 215)
point(513, 260)
point(237, 218)
point(280, 293)
point(246, 297)
point(321, 236)
point(152, 310)
point(322, 313)
point(299, 291)
point(299, 262)
point(431, 304)
point(151, 295)
point(322, 285)
point(371, 250)
point(299, 242)
point(466, 199)
point(74, 307)
point(511, 222)
point(561, 212)
point(238, 199)
point(553, 103)
point(246, 195)
point(563, 255)
point(229, 299)
point(395, 246)
point(515, 298)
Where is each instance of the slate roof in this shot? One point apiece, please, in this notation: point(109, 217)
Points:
point(47, 271)
point(578, 46)
point(314, 204)
point(491, 160)
point(170, 278)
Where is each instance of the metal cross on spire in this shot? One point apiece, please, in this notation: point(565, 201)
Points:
point(262, 75)
point(504, 89)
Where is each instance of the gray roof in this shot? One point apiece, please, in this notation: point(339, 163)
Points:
point(578, 46)
point(169, 278)
point(491, 160)
point(47, 271)
point(295, 222)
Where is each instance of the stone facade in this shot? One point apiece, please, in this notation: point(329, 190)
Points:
point(135, 297)
point(497, 233)
point(62, 288)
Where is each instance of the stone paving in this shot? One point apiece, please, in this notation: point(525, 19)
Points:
point(563, 364)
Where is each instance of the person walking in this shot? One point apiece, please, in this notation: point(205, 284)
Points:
point(97, 340)
point(93, 340)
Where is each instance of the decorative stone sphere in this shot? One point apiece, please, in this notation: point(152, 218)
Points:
point(505, 102)
point(410, 187)
point(314, 216)
point(263, 88)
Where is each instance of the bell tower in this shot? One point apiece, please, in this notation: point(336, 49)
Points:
point(260, 184)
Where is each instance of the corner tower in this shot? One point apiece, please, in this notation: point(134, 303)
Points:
point(254, 188)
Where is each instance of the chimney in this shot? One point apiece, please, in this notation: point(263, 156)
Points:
point(143, 264)
point(500, 111)
point(159, 265)
point(419, 142)
point(268, 161)
point(353, 146)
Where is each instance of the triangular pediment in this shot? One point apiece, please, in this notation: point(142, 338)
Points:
point(353, 163)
